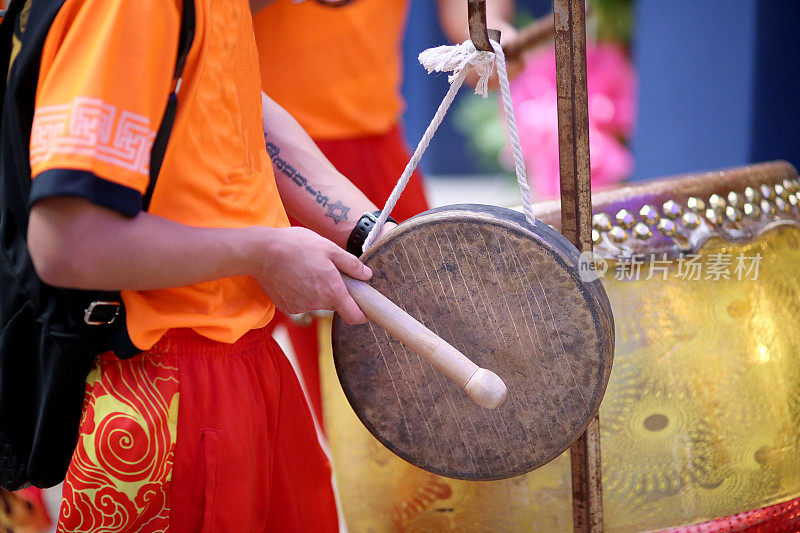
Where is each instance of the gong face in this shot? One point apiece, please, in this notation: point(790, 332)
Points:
point(508, 296)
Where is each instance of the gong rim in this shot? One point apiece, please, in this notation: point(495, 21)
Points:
point(561, 252)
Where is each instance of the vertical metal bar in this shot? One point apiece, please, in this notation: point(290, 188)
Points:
point(587, 483)
point(573, 122)
point(476, 17)
point(576, 223)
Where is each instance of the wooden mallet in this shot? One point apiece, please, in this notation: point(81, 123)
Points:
point(482, 385)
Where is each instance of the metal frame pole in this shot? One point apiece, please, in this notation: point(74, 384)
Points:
point(576, 224)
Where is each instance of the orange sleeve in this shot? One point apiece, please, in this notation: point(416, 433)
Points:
point(106, 73)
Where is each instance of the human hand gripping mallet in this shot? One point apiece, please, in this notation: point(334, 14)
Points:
point(482, 385)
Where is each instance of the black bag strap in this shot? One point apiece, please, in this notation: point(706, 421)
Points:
point(188, 24)
point(120, 341)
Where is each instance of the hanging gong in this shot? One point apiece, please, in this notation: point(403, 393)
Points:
point(509, 296)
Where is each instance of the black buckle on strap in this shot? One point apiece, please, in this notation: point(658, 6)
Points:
point(102, 313)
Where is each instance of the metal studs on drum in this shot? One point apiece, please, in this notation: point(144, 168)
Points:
point(696, 204)
point(713, 216)
point(595, 236)
point(793, 200)
point(767, 192)
point(767, 207)
point(691, 220)
point(649, 214)
point(625, 219)
point(790, 186)
point(780, 191)
point(734, 199)
point(751, 210)
point(667, 227)
point(642, 231)
point(672, 209)
point(781, 204)
point(716, 201)
point(618, 234)
point(752, 195)
point(601, 222)
point(733, 214)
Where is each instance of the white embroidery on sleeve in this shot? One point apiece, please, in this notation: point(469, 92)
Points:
point(91, 127)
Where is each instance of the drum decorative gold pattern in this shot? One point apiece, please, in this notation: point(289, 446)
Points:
point(701, 418)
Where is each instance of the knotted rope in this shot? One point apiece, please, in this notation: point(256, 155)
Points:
point(459, 59)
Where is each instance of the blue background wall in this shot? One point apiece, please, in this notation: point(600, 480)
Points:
point(775, 131)
point(719, 85)
point(695, 62)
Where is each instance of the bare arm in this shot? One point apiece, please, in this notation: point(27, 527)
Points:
point(499, 13)
point(453, 18)
point(258, 5)
point(312, 190)
point(74, 243)
point(77, 244)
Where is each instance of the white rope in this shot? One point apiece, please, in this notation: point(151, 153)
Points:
point(460, 59)
point(511, 121)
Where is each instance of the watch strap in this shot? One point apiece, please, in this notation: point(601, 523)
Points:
point(355, 242)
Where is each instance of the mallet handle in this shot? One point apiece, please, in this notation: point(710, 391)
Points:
point(528, 37)
point(427, 344)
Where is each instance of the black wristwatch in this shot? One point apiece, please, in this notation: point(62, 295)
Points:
point(355, 242)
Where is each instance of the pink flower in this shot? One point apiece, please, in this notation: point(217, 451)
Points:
point(612, 87)
point(610, 160)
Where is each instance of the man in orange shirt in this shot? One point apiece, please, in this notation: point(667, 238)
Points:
point(338, 71)
point(208, 428)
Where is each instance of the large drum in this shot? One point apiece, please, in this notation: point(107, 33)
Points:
point(701, 418)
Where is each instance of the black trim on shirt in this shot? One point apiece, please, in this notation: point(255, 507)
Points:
point(83, 184)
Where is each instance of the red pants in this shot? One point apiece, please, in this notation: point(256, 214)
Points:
point(196, 435)
point(374, 165)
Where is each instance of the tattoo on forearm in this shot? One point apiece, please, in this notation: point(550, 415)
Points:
point(335, 210)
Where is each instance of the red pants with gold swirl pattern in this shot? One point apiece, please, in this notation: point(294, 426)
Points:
point(196, 435)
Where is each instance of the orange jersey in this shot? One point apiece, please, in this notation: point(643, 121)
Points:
point(336, 70)
point(105, 76)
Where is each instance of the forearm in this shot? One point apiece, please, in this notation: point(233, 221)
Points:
point(311, 188)
point(453, 18)
point(258, 5)
point(76, 244)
